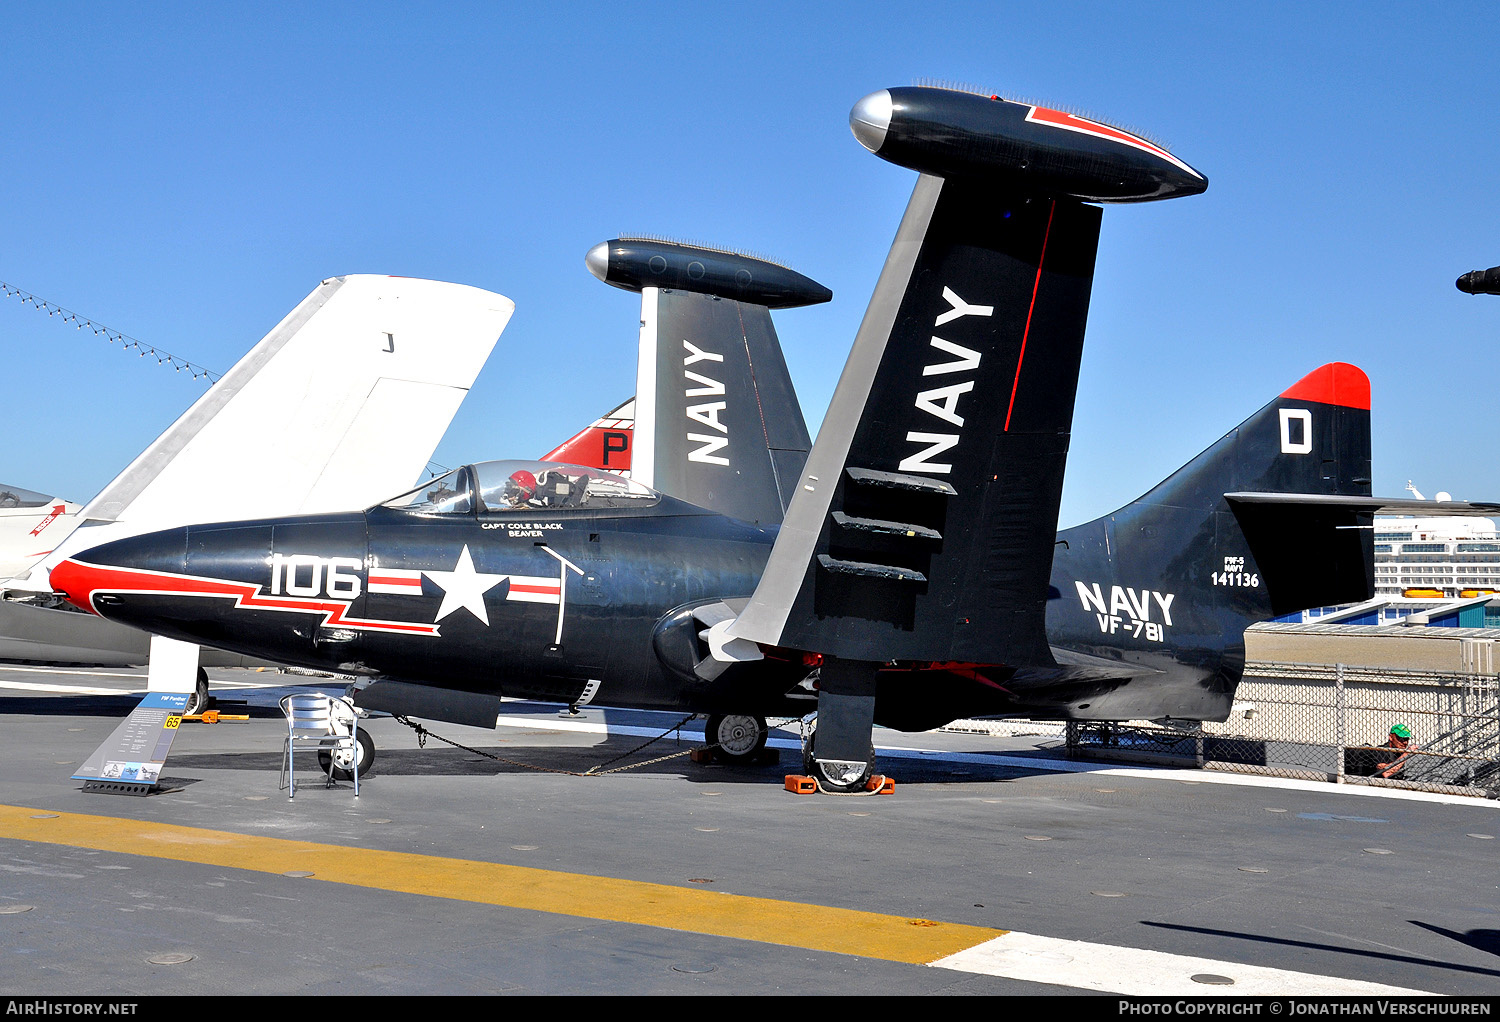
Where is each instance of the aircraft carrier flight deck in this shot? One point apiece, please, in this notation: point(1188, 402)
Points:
point(498, 865)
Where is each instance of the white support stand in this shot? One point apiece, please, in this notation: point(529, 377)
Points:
point(173, 666)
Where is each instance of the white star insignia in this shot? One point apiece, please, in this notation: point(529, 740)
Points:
point(464, 588)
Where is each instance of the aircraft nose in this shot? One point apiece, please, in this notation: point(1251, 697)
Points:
point(122, 564)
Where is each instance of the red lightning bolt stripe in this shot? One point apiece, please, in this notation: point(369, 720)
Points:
point(82, 581)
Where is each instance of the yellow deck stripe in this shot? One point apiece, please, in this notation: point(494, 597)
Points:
point(769, 921)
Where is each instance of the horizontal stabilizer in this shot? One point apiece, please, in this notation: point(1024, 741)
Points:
point(1372, 505)
point(1274, 518)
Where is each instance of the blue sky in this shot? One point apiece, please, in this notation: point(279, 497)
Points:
point(187, 173)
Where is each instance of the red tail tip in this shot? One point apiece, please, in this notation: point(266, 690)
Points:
point(1337, 383)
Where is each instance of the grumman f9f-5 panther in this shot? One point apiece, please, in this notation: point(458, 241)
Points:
point(916, 575)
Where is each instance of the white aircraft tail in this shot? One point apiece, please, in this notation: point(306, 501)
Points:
point(31, 524)
point(337, 408)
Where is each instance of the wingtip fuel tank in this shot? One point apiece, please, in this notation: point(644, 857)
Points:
point(637, 263)
point(1480, 282)
point(960, 134)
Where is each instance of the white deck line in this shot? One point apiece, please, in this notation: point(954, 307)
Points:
point(1139, 973)
point(72, 690)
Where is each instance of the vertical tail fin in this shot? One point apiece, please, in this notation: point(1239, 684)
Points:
point(608, 442)
point(1183, 570)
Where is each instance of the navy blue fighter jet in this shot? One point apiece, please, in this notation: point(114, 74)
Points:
point(908, 572)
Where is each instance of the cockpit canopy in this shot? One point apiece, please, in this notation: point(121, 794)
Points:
point(492, 487)
point(14, 496)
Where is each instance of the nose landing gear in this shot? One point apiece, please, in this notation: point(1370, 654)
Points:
point(345, 761)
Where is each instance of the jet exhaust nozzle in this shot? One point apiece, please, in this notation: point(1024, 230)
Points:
point(637, 263)
point(961, 134)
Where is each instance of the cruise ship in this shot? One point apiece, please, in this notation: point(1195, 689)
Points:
point(1436, 557)
point(1424, 564)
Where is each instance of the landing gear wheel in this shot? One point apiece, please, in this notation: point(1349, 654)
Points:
point(198, 697)
point(851, 779)
point(365, 746)
point(739, 737)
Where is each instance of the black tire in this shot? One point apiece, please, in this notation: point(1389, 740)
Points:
point(366, 748)
point(739, 738)
point(814, 769)
point(198, 697)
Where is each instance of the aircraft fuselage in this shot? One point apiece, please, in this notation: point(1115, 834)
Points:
point(574, 604)
point(534, 603)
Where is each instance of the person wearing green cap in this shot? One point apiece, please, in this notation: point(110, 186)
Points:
point(1400, 739)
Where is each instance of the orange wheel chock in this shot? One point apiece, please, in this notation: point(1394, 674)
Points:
point(799, 784)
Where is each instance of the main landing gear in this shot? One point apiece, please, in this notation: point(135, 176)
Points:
point(738, 738)
point(839, 776)
point(840, 755)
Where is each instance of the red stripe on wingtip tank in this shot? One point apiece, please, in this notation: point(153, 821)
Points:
point(1337, 383)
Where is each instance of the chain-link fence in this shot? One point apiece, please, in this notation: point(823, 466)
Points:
point(1332, 722)
point(1008, 728)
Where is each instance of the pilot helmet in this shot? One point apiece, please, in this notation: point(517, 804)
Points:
point(521, 486)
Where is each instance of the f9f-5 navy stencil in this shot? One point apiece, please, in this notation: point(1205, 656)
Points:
point(1132, 611)
point(943, 401)
point(1234, 575)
